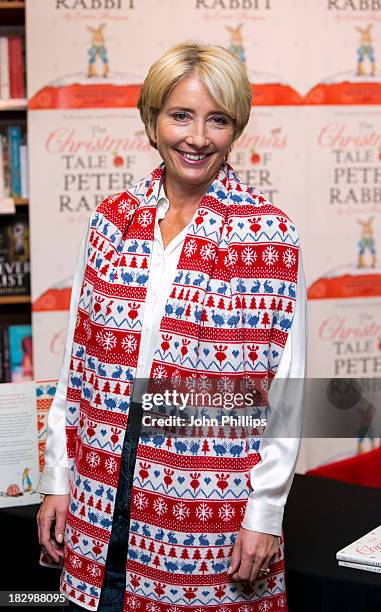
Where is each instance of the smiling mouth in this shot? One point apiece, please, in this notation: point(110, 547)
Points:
point(193, 156)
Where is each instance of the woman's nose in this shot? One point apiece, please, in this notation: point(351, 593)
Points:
point(197, 135)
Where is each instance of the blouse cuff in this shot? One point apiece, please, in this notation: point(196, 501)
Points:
point(54, 481)
point(263, 517)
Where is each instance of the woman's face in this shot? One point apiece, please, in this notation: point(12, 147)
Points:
point(193, 134)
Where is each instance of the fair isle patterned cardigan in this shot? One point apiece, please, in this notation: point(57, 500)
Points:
point(239, 259)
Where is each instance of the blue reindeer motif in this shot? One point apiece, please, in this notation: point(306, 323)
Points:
point(145, 248)
point(268, 287)
point(197, 282)
point(179, 276)
point(134, 247)
point(187, 278)
point(118, 372)
point(241, 286)
point(101, 370)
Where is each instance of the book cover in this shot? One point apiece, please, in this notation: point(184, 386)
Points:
point(20, 351)
point(14, 143)
point(365, 551)
point(14, 255)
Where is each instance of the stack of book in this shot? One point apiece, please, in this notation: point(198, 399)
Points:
point(16, 361)
point(13, 162)
point(12, 66)
point(364, 553)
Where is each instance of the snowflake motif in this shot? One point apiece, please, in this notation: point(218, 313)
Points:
point(203, 384)
point(244, 609)
point(160, 506)
point(160, 372)
point(180, 511)
point(191, 383)
point(203, 512)
point(132, 603)
point(249, 256)
point(140, 501)
point(145, 218)
point(129, 343)
point(107, 340)
point(94, 570)
point(93, 459)
point(224, 385)
point(265, 606)
point(226, 512)
point(282, 601)
point(176, 379)
point(270, 255)
point(125, 205)
point(289, 258)
point(174, 609)
point(151, 607)
point(87, 328)
point(190, 248)
point(111, 465)
point(207, 251)
point(231, 258)
point(77, 563)
point(224, 609)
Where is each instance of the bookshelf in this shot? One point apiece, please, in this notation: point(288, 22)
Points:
point(14, 309)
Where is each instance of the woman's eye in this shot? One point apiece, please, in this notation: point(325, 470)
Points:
point(180, 116)
point(220, 119)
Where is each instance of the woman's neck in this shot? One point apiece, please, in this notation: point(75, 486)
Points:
point(184, 196)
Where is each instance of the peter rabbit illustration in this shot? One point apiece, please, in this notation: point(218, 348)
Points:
point(366, 49)
point(367, 243)
point(97, 48)
point(236, 42)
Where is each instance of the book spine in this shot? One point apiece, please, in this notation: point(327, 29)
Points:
point(2, 184)
point(355, 559)
point(24, 171)
point(14, 142)
point(6, 167)
point(19, 63)
point(7, 356)
point(12, 75)
point(4, 67)
point(361, 566)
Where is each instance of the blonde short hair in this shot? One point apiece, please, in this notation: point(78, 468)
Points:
point(222, 73)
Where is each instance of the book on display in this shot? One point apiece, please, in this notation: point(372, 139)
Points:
point(364, 552)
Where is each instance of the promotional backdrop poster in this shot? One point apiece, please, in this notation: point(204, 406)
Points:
point(311, 146)
point(19, 468)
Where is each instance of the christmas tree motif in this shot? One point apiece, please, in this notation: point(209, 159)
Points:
point(122, 261)
point(151, 547)
point(98, 505)
point(103, 270)
point(184, 554)
point(262, 304)
point(142, 544)
point(117, 389)
point(243, 303)
point(205, 446)
point(187, 295)
point(196, 297)
point(289, 308)
point(196, 555)
point(80, 367)
point(221, 304)
point(91, 502)
point(172, 553)
point(106, 387)
point(209, 555)
point(156, 561)
point(181, 294)
point(237, 302)
point(144, 264)
point(187, 311)
point(253, 304)
point(280, 305)
point(210, 301)
point(98, 401)
point(161, 550)
point(273, 304)
point(82, 512)
point(109, 255)
point(134, 263)
point(265, 319)
point(108, 508)
point(173, 294)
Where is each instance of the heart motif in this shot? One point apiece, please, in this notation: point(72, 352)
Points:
point(235, 353)
point(212, 221)
point(237, 481)
point(173, 591)
point(206, 352)
point(103, 432)
point(275, 354)
point(292, 227)
point(119, 309)
point(240, 225)
point(233, 589)
point(88, 292)
point(265, 353)
point(85, 542)
point(205, 593)
point(157, 473)
point(181, 479)
point(176, 344)
point(269, 222)
point(72, 409)
point(207, 480)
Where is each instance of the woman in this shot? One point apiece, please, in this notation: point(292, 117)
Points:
point(176, 280)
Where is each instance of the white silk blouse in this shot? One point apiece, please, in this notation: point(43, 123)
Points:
point(271, 478)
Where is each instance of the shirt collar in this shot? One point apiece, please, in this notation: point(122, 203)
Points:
point(162, 204)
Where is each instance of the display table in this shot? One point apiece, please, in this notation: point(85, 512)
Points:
point(321, 517)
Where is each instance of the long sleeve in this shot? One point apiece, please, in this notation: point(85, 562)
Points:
point(55, 476)
point(271, 479)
